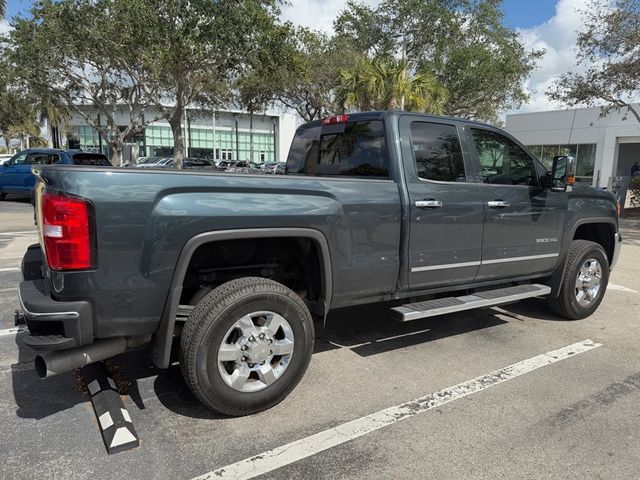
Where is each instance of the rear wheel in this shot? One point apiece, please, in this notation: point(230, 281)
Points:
point(2, 196)
point(246, 345)
point(584, 283)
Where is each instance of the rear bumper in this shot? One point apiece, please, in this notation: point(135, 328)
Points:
point(53, 325)
point(617, 245)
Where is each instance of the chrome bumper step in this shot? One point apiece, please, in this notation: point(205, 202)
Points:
point(488, 298)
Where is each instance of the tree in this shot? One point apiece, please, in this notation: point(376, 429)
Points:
point(385, 85)
point(197, 49)
point(462, 44)
point(262, 70)
point(309, 81)
point(75, 53)
point(15, 105)
point(609, 49)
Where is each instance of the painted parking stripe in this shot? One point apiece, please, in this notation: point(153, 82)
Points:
point(12, 331)
point(29, 232)
point(10, 269)
point(306, 447)
point(621, 288)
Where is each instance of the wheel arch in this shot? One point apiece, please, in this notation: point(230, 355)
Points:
point(163, 338)
point(598, 230)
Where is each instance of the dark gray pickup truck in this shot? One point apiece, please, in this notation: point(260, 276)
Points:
point(374, 207)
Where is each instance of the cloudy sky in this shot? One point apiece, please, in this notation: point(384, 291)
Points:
point(548, 24)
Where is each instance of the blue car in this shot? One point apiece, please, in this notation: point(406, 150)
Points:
point(16, 176)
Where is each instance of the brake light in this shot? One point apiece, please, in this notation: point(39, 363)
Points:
point(334, 119)
point(571, 180)
point(618, 208)
point(68, 232)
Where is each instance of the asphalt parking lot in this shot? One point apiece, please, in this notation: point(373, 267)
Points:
point(574, 413)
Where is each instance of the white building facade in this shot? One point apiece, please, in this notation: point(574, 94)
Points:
point(224, 135)
point(604, 147)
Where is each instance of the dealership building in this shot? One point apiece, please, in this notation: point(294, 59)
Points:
point(226, 134)
point(604, 147)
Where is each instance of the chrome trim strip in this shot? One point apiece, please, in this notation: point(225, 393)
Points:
point(519, 259)
point(483, 262)
point(448, 265)
point(30, 314)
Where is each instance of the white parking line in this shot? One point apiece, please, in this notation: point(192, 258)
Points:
point(10, 269)
point(621, 288)
point(30, 232)
point(12, 331)
point(306, 447)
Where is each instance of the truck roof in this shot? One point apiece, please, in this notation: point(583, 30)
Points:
point(381, 114)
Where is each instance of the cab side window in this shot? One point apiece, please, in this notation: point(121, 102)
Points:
point(437, 152)
point(19, 160)
point(36, 159)
point(52, 158)
point(502, 161)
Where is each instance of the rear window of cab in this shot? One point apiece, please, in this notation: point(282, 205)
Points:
point(356, 149)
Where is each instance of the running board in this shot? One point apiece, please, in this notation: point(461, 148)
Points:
point(489, 298)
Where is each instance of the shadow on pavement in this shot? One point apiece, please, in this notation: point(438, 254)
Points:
point(371, 329)
point(37, 398)
point(534, 308)
point(366, 330)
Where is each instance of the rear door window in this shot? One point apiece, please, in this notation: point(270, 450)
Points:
point(93, 159)
point(437, 152)
point(355, 149)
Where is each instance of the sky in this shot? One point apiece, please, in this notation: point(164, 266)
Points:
point(547, 24)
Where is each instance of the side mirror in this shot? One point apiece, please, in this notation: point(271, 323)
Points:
point(563, 173)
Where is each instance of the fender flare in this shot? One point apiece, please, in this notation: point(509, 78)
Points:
point(558, 275)
point(163, 337)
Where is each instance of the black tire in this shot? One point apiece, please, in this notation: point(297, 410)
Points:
point(566, 304)
point(2, 196)
point(207, 326)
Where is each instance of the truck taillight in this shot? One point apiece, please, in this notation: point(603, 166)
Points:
point(67, 229)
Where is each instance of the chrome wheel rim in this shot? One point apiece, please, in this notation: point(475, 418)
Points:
point(588, 282)
point(255, 351)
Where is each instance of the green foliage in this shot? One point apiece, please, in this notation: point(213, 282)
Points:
point(197, 49)
point(385, 85)
point(71, 53)
point(17, 112)
point(462, 44)
point(309, 80)
point(609, 49)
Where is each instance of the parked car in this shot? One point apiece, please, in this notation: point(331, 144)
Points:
point(275, 167)
point(235, 268)
point(15, 174)
point(155, 162)
point(267, 166)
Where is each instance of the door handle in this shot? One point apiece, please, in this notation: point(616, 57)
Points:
point(498, 204)
point(428, 203)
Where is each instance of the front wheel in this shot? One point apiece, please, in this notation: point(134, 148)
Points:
point(584, 283)
point(246, 345)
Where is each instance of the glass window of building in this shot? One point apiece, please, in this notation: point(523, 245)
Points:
point(585, 155)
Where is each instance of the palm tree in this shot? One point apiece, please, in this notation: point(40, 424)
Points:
point(27, 130)
point(3, 8)
point(385, 84)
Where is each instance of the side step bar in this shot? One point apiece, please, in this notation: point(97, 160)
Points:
point(489, 298)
